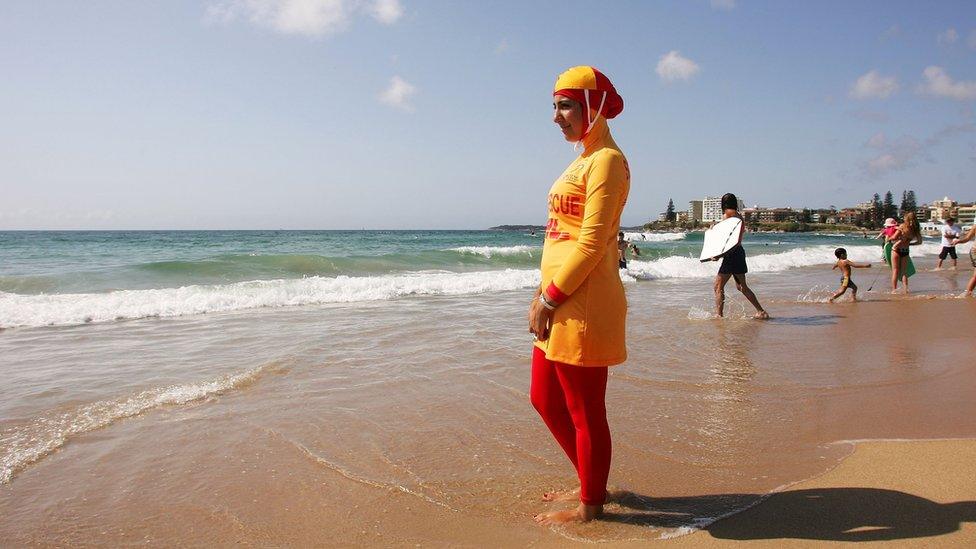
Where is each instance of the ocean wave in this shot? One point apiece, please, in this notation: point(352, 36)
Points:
point(489, 251)
point(690, 267)
point(654, 237)
point(67, 309)
point(22, 446)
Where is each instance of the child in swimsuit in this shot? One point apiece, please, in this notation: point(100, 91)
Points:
point(845, 266)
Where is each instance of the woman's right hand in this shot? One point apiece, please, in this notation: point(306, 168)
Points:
point(539, 320)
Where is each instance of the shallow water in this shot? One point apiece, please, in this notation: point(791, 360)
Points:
point(118, 430)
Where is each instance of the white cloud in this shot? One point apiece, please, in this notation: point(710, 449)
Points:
point(902, 153)
point(895, 155)
point(948, 36)
point(723, 4)
point(874, 85)
point(386, 11)
point(313, 18)
point(399, 93)
point(870, 116)
point(892, 32)
point(940, 84)
point(877, 141)
point(672, 66)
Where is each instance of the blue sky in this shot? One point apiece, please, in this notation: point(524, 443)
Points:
point(328, 114)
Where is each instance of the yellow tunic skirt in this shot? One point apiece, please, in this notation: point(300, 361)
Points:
point(580, 255)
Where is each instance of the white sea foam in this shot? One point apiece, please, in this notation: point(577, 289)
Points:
point(488, 251)
point(67, 309)
point(654, 237)
point(689, 267)
point(22, 446)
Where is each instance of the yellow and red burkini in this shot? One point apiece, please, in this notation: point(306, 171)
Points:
point(579, 257)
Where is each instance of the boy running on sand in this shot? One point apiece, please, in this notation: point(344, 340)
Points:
point(845, 265)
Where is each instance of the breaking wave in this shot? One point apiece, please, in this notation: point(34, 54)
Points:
point(67, 309)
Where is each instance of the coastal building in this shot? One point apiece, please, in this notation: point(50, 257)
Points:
point(682, 217)
point(966, 215)
point(851, 216)
point(822, 215)
point(712, 208)
point(777, 215)
point(940, 210)
point(695, 210)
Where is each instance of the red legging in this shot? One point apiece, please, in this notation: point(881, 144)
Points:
point(572, 403)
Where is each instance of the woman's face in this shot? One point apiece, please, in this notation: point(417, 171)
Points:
point(568, 114)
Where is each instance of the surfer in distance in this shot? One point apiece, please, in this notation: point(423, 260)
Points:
point(734, 264)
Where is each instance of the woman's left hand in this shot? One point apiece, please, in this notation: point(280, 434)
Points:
point(539, 320)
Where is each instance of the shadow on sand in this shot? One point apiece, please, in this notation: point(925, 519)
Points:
point(829, 514)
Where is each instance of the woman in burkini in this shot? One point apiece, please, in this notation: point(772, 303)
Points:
point(908, 234)
point(969, 236)
point(734, 264)
point(580, 310)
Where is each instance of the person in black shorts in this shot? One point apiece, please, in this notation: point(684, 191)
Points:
point(949, 233)
point(734, 264)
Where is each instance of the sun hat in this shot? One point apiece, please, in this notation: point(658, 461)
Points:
point(890, 222)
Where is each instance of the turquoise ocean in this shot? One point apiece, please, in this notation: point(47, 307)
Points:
point(63, 278)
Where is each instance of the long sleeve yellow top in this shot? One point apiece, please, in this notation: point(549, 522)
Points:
point(579, 256)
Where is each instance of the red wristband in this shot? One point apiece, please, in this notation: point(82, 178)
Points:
point(555, 294)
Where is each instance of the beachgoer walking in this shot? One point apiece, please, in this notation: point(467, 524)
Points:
point(906, 235)
point(734, 264)
point(970, 235)
point(580, 311)
point(949, 233)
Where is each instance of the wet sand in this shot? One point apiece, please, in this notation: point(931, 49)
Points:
point(409, 423)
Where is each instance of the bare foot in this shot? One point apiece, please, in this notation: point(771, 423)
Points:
point(568, 495)
point(831, 300)
point(583, 513)
point(761, 315)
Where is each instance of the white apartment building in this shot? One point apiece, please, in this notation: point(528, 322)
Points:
point(712, 208)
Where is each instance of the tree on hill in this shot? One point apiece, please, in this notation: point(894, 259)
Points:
point(889, 206)
point(908, 203)
point(669, 214)
point(877, 211)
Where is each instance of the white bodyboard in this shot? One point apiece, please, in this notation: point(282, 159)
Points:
point(720, 238)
